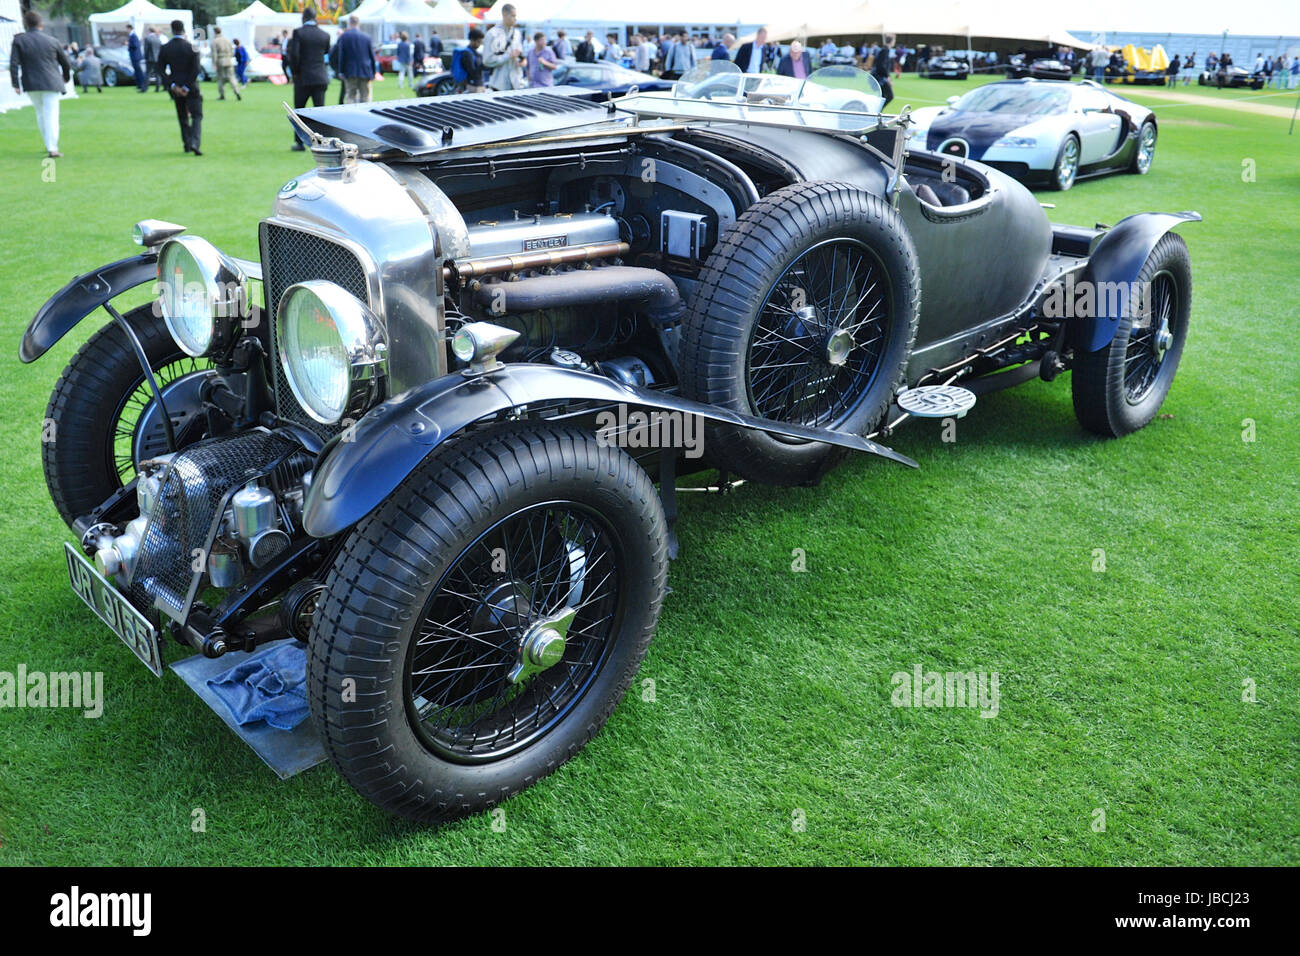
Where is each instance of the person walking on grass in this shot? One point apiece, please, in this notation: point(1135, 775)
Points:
point(178, 67)
point(356, 56)
point(306, 53)
point(152, 52)
point(402, 62)
point(223, 59)
point(135, 50)
point(39, 67)
point(241, 63)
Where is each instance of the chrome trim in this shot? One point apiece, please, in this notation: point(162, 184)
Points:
point(154, 232)
point(225, 291)
point(391, 224)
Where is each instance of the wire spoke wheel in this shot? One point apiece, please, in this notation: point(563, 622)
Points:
point(819, 335)
point(131, 412)
point(486, 674)
point(1148, 343)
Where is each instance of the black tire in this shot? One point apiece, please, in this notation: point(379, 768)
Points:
point(110, 76)
point(445, 87)
point(1066, 168)
point(1141, 164)
point(1119, 388)
point(392, 570)
point(753, 263)
point(97, 401)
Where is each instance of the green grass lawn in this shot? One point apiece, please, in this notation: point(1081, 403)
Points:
point(1120, 690)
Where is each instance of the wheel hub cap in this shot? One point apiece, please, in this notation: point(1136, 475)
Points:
point(838, 346)
point(543, 645)
point(1163, 339)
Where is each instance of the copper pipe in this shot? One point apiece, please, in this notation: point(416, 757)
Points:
point(469, 268)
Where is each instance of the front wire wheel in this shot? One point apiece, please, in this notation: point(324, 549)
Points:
point(478, 629)
point(101, 421)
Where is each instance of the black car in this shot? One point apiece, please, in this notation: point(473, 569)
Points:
point(943, 67)
point(1233, 76)
point(422, 432)
point(599, 77)
point(1043, 68)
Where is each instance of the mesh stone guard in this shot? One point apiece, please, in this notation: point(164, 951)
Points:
point(195, 490)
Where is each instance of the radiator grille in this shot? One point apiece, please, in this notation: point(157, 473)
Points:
point(289, 256)
point(465, 113)
point(195, 489)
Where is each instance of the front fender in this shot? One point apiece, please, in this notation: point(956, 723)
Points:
point(394, 437)
point(1118, 258)
point(82, 296)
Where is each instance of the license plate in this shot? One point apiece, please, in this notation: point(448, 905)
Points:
point(113, 609)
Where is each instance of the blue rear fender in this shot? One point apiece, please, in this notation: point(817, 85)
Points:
point(1113, 268)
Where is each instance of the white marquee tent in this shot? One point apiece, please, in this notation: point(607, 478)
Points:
point(415, 16)
point(111, 27)
point(254, 25)
point(933, 18)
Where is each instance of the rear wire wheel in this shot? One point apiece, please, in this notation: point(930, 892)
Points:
point(1120, 387)
point(806, 313)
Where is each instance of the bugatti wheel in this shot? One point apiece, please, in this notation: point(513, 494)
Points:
point(1146, 149)
point(1119, 388)
point(480, 627)
point(805, 313)
point(102, 419)
point(1067, 164)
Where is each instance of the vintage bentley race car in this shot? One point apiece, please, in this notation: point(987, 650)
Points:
point(423, 433)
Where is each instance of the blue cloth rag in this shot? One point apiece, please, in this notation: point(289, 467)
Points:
point(269, 686)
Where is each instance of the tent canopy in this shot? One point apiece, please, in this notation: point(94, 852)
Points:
point(254, 25)
point(933, 18)
point(111, 27)
point(417, 12)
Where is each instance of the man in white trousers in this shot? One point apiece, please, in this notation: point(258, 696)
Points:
point(39, 67)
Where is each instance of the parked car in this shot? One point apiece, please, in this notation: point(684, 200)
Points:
point(431, 451)
point(1042, 132)
point(944, 67)
point(118, 72)
point(1042, 68)
point(1233, 76)
point(116, 65)
point(607, 78)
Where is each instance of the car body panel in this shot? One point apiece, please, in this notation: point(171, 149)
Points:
point(83, 295)
point(393, 438)
point(1116, 261)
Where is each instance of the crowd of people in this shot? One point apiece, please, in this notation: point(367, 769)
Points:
point(501, 58)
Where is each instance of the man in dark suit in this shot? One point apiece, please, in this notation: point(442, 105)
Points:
point(750, 55)
point(356, 61)
point(178, 65)
point(307, 51)
point(136, 52)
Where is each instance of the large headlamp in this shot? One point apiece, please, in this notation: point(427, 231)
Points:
point(202, 293)
point(333, 350)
